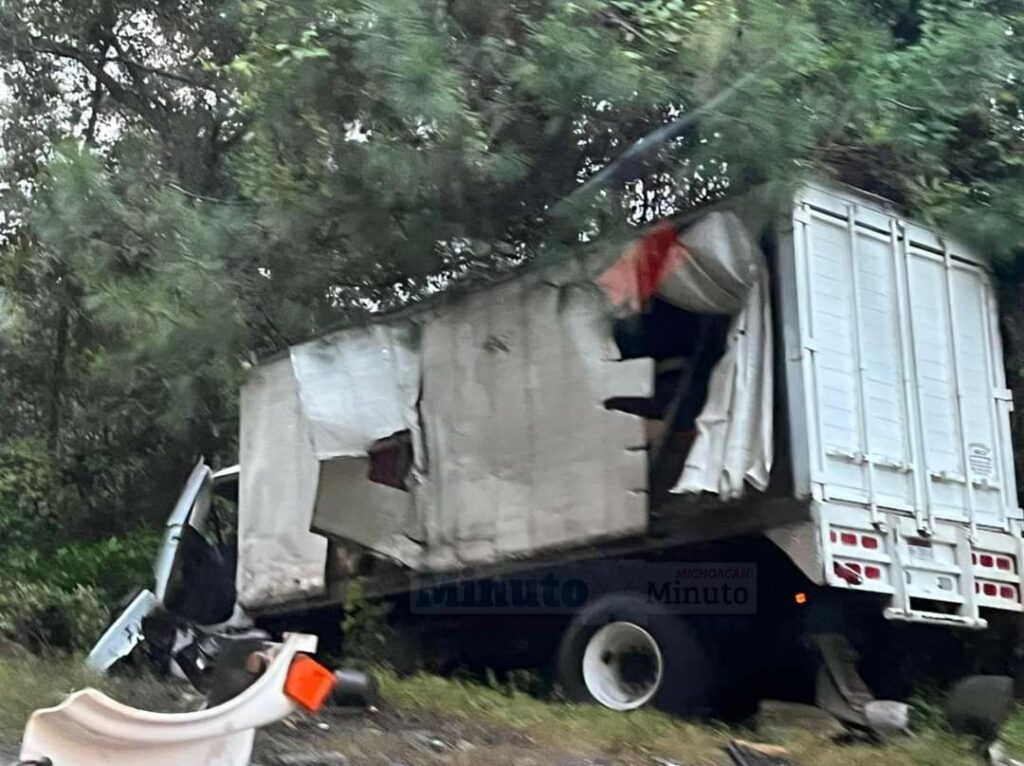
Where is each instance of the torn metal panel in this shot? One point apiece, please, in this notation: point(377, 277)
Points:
point(802, 544)
point(190, 508)
point(357, 386)
point(123, 635)
point(351, 506)
point(279, 558)
point(709, 268)
point(723, 264)
point(523, 454)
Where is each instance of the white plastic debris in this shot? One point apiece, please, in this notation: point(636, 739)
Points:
point(91, 729)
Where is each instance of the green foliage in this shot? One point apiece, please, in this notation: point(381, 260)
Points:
point(153, 273)
point(113, 567)
point(634, 737)
point(187, 187)
point(44, 617)
point(33, 497)
point(42, 535)
point(365, 625)
point(62, 597)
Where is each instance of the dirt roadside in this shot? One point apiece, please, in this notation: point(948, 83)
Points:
point(387, 738)
point(426, 720)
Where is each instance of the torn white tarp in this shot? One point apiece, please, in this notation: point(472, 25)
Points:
point(734, 428)
point(279, 558)
point(713, 267)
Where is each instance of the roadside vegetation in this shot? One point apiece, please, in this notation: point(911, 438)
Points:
point(489, 716)
point(59, 584)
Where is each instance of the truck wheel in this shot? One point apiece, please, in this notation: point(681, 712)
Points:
point(624, 653)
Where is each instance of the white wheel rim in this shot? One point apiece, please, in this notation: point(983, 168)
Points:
point(622, 666)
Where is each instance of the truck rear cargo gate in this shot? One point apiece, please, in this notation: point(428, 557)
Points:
point(895, 377)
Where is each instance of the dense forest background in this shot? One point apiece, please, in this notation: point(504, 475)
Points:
point(186, 185)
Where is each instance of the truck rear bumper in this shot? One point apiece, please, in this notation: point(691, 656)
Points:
point(945, 576)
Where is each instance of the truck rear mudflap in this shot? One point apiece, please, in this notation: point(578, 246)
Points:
point(947, 577)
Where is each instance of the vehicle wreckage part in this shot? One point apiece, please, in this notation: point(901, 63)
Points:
point(980, 705)
point(123, 635)
point(309, 683)
point(355, 688)
point(842, 692)
point(190, 507)
point(744, 753)
point(91, 729)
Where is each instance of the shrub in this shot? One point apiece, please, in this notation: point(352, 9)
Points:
point(41, 616)
point(114, 567)
point(365, 625)
point(32, 496)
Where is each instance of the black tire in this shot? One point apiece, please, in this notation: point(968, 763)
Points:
point(688, 678)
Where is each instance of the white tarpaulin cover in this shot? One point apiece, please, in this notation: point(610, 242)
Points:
point(734, 429)
point(714, 267)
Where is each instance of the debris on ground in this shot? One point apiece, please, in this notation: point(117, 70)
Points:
point(91, 729)
point(745, 753)
point(306, 759)
point(980, 705)
point(841, 691)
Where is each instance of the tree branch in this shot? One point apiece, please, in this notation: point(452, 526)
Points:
point(95, 66)
point(131, 64)
point(94, 106)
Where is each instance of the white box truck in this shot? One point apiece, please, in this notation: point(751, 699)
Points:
point(808, 407)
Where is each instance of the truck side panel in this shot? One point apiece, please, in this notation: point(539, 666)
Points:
point(279, 559)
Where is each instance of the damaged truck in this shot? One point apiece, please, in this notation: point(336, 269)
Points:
point(749, 449)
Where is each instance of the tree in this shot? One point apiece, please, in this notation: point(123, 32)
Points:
point(195, 183)
point(93, 87)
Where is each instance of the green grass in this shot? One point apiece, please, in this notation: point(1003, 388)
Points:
point(651, 732)
point(546, 722)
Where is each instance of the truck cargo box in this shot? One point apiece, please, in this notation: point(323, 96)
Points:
point(581, 404)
